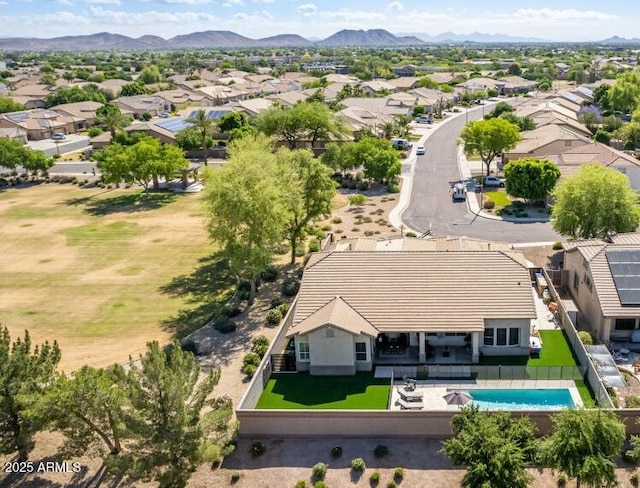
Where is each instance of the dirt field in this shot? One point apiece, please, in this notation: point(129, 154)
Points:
point(93, 268)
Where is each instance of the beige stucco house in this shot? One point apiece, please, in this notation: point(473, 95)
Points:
point(372, 302)
point(603, 277)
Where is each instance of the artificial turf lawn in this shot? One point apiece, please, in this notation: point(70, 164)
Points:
point(499, 197)
point(302, 391)
point(555, 352)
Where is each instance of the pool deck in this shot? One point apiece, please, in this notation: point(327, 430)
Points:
point(433, 391)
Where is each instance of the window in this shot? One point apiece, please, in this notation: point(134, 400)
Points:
point(303, 350)
point(576, 281)
point(488, 337)
point(625, 324)
point(587, 282)
point(514, 336)
point(501, 337)
point(361, 351)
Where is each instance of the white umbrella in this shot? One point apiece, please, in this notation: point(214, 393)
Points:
point(457, 398)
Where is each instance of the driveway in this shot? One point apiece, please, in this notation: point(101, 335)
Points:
point(431, 207)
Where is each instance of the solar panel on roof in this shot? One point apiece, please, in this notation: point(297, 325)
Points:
point(211, 114)
point(625, 269)
point(174, 124)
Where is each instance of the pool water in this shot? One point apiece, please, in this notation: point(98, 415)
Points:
point(522, 399)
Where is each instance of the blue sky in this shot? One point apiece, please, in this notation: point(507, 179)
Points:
point(560, 20)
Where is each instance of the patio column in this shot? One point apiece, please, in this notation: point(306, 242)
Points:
point(422, 357)
point(475, 347)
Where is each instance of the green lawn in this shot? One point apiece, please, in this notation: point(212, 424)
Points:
point(555, 352)
point(499, 197)
point(302, 391)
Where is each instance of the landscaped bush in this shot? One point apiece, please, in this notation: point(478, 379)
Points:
point(274, 316)
point(358, 465)
point(319, 470)
point(326, 227)
point(524, 215)
point(257, 449)
point(363, 186)
point(290, 287)
point(300, 251)
point(276, 302)
point(374, 479)
point(499, 212)
point(251, 358)
point(249, 370)
point(336, 220)
point(368, 233)
point(562, 480)
point(357, 199)
point(632, 401)
point(231, 311)
point(398, 474)
point(391, 484)
point(380, 451)
point(224, 324)
point(336, 451)
point(518, 204)
point(394, 188)
point(281, 249)
point(634, 479)
point(353, 184)
point(284, 308)
point(314, 246)
point(355, 229)
point(260, 345)
point(556, 246)
point(488, 204)
point(319, 484)
point(411, 234)
point(235, 477)
point(301, 484)
point(244, 290)
point(269, 274)
point(585, 337)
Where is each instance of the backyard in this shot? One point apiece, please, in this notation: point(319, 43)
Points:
point(105, 271)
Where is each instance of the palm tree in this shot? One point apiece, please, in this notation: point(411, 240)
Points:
point(204, 126)
point(388, 129)
point(111, 117)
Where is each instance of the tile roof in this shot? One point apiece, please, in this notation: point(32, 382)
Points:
point(433, 291)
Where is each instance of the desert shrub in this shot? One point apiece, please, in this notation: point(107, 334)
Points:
point(344, 184)
point(359, 176)
point(398, 474)
point(274, 316)
point(290, 287)
point(367, 220)
point(257, 449)
point(363, 186)
point(251, 358)
point(391, 484)
point(411, 234)
point(355, 229)
point(281, 249)
point(269, 274)
point(380, 451)
point(358, 465)
point(235, 477)
point(224, 324)
point(314, 246)
point(488, 204)
point(276, 302)
point(319, 470)
point(336, 451)
point(585, 337)
point(300, 251)
point(319, 484)
point(393, 188)
point(556, 246)
point(339, 231)
point(336, 220)
point(357, 199)
point(634, 479)
point(284, 308)
point(249, 370)
point(260, 345)
point(231, 311)
point(524, 215)
point(368, 233)
point(518, 204)
point(353, 184)
point(94, 131)
point(562, 480)
point(499, 212)
point(632, 401)
point(326, 227)
point(506, 211)
point(301, 484)
point(374, 479)
point(320, 234)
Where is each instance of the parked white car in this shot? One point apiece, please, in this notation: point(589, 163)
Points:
point(419, 150)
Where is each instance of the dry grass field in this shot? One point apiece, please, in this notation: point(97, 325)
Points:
point(103, 271)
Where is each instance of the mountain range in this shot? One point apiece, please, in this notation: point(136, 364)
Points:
point(227, 39)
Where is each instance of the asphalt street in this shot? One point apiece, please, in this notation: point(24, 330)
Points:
point(431, 206)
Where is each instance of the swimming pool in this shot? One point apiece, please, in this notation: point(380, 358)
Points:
point(522, 399)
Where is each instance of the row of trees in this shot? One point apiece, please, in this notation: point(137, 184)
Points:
point(153, 419)
point(13, 155)
point(261, 197)
point(497, 448)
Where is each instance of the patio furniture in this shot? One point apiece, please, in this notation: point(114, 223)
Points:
point(404, 405)
point(622, 355)
point(457, 398)
point(410, 395)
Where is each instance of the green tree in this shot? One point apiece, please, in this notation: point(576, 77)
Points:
point(595, 202)
point(514, 69)
point(25, 375)
point(630, 134)
point(307, 192)
point(204, 126)
point(332, 156)
point(499, 109)
point(624, 94)
point(380, 160)
point(246, 217)
point(89, 409)
point(531, 179)
point(8, 105)
point(583, 446)
point(75, 94)
point(133, 89)
point(37, 162)
point(489, 138)
point(172, 415)
point(305, 121)
point(494, 447)
point(523, 123)
point(150, 74)
point(232, 120)
point(426, 82)
point(111, 118)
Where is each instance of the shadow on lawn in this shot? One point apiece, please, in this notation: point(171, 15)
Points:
point(133, 202)
point(205, 291)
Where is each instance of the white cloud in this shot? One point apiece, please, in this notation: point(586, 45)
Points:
point(307, 9)
point(189, 2)
point(149, 18)
point(558, 15)
point(255, 17)
point(64, 2)
point(395, 6)
point(231, 3)
point(103, 2)
point(263, 1)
